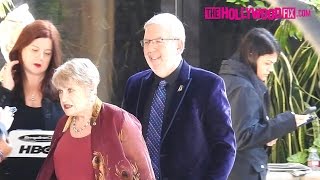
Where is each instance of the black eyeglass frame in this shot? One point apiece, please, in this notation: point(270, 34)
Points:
point(161, 40)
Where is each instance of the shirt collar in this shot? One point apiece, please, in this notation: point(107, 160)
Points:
point(172, 77)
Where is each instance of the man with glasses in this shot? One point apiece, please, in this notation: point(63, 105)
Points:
point(184, 111)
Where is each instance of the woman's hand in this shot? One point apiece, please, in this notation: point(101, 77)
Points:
point(7, 81)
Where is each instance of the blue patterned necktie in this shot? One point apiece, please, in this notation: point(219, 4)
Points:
point(155, 125)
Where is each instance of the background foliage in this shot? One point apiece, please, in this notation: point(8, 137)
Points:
point(294, 86)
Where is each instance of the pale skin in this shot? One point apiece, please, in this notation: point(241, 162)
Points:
point(77, 101)
point(265, 64)
point(163, 58)
point(35, 61)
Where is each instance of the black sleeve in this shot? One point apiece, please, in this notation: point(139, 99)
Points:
point(251, 128)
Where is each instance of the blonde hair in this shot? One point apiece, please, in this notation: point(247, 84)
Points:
point(79, 70)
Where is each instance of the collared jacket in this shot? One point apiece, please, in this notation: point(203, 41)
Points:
point(197, 140)
point(248, 97)
point(118, 148)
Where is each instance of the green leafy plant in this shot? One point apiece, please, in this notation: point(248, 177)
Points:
point(245, 3)
point(293, 86)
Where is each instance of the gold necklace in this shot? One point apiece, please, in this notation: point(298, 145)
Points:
point(78, 130)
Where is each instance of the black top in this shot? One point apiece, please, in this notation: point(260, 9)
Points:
point(28, 118)
point(171, 80)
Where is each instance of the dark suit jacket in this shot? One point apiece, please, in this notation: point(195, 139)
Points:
point(197, 140)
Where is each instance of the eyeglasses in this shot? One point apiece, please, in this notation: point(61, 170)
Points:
point(158, 41)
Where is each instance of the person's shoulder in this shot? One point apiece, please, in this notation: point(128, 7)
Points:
point(111, 106)
point(236, 82)
point(203, 75)
point(140, 75)
point(53, 104)
point(113, 109)
point(241, 86)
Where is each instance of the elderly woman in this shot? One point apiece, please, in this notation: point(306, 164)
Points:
point(95, 140)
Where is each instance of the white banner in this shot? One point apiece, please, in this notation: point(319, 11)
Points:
point(30, 143)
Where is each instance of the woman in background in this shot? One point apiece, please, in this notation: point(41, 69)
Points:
point(245, 75)
point(27, 86)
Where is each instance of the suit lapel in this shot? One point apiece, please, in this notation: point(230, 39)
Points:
point(181, 88)
point(145, 88)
